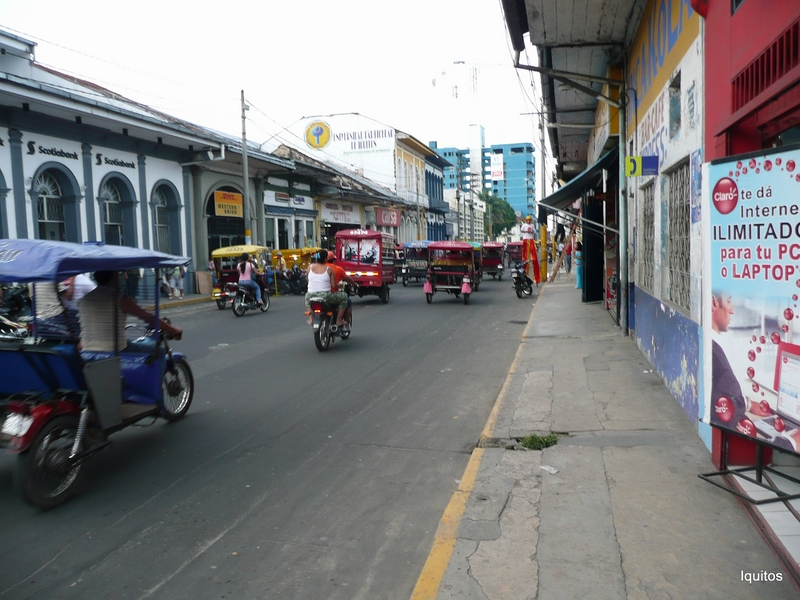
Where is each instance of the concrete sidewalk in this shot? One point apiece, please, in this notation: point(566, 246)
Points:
point(625, 516)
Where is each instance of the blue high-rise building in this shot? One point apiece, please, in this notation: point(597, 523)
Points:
point(518, 183)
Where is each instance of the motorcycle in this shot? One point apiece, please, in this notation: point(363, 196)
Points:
point(244, 299)
point(63, 402)
point(523, 285)
point(324, 323)
point(292, 282)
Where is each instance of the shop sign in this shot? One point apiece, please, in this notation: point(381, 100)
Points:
point(33, 148)
point(113, 162)
point(387, 217)
point(751, 298)
point(339, 212)
point(301, 201)
point(282, 197)
point(228, 204)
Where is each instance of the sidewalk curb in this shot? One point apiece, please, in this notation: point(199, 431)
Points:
point(176, 303)
point(432, 574)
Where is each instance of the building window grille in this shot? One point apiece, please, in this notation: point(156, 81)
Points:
point(50, 207)
point(161, 221)
point(648, 232)
point(678, 242)
point(112, 213)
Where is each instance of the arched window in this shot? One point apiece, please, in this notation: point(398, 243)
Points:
point(161, 220)
point(50, 207)
point(112, 213)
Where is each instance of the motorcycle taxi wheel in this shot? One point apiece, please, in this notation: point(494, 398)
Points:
point(264, 307)
point(221, 304)
point(528, 289)
point(177, 391)
point(405, 281)
point(466, 298)
point(385, 294)
point(45, 475)
point(239, 307)
point(322, 336)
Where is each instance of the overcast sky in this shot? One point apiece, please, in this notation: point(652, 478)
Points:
point(391, 61)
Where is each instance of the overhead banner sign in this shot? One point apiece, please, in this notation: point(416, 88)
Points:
point(641, 166)
point(228, 204)
point(754, 311)
point(497, 166)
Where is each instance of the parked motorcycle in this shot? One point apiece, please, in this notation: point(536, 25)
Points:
point(523, 285)
point(292, 282)
point(244, 299)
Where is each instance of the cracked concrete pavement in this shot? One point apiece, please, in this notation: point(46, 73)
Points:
point(625, 516)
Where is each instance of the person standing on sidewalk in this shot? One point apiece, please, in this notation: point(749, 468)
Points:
point(578, 266)
point(529, 248)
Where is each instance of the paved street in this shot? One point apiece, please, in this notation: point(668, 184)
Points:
point(295, 474)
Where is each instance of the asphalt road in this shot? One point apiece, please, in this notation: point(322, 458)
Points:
point(296, 474)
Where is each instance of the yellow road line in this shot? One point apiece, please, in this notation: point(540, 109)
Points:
point(430, 578)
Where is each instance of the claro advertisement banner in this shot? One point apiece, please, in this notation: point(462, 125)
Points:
point(754, 324)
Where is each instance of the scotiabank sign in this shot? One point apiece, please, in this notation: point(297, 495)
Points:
point(387, 217)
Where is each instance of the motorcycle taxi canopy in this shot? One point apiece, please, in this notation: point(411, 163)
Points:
point(417, 245)
point(26, 260)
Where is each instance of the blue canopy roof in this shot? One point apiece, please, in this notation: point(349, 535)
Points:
point(419, 244)
point(44, 260)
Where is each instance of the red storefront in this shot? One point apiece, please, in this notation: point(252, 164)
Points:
point(752, 99)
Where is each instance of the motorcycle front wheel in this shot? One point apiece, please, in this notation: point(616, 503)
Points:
point(177, 391)
point(518, 290)
point(238, 305)
point(45, 475)
point(405, 281)
point(322, 336)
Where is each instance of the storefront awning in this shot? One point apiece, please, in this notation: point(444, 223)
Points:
point(566, 195)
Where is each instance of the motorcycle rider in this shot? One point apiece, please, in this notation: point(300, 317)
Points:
point(247, 274)
point(340, 275)
point(97, 317)
point(321, 284)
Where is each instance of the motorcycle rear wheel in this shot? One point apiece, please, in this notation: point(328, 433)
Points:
point(221, 304)
point(264, 307)
point(238, 306)
point(466, 298)
point(528, 289)
point(322, 336)
point(44, 473)
point(177, 391)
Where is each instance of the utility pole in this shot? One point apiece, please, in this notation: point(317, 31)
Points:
point(246, 179)
point(458, 213)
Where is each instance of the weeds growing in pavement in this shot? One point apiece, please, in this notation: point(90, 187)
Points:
point(539, 442)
